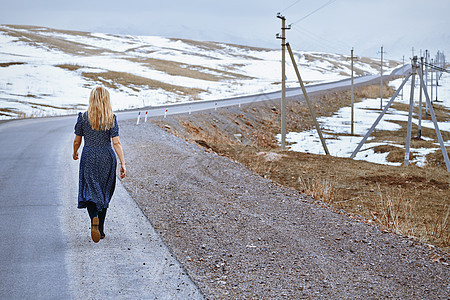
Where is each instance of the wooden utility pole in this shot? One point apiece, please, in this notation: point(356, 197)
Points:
point(352, 113)
point(431, 81)
point(426, 81)
point(419, 132)
point(410, 113)
point(403, 72)
point(437, 74)
point(437, 84)
point(381, 79)
point(283, 79)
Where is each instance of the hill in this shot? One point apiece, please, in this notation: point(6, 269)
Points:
point(45, 71)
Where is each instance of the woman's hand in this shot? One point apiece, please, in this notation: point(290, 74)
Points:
point(75, 156)
point(123, 171)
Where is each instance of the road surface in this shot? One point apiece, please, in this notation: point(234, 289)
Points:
point(46, 251)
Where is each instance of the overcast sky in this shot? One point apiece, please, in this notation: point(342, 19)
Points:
point(338, 26)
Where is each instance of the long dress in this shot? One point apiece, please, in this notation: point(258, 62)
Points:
point(97, 176)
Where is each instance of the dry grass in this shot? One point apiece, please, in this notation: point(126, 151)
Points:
point(376, 64)
point(186, 70)
point(69, 67)
point(322, 190)
point(438, 228)
point(42, 28)
point(34, 38)
point(11, 112)
point(222, 47)
point(395, 211)
point(201, 44)
point(398, 213)
point(331, 59)
point(335, 65)
point(4, 65)
point(116, 80)
point(41, 105)
point(406, 200)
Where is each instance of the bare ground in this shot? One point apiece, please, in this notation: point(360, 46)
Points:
point(242, 235)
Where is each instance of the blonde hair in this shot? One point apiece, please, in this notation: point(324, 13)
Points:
point(100, 113)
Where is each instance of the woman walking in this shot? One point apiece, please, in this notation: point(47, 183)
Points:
point(98, 162)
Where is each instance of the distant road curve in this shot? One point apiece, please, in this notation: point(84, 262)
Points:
point(194, 106)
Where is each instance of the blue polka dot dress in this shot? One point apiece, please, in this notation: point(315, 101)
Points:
point(97, 164)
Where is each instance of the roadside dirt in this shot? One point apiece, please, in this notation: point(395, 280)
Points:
point(243, 226)
point(411, 201)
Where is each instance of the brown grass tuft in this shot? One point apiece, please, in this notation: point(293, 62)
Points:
point(394, 211)
point(323, 190)
point(439, 227)
point(4, 65)
point(69, 67)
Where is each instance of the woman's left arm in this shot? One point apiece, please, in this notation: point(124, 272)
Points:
point(76, 146)
point(119, 150)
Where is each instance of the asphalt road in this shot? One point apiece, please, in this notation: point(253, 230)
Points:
point(45, 248)
point(33, 246)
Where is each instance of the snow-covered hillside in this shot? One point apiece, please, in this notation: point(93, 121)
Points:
point(46, 71)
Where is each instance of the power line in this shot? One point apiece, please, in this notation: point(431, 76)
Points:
point(337, 46)
point(314, 11)
point(290, 5)
point(316, 39)
point(436, 67)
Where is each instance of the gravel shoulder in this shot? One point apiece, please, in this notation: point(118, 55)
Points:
point(240, 235)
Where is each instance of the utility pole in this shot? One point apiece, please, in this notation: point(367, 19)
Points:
point(403, 72)
point(426, 81)
point(431, 81)
point(381, 80)
point(437, 83)
point(283, 79)
point(352, 113)
point(437, 74)
point(410, 114)
point(419, 132)
point(426, 69)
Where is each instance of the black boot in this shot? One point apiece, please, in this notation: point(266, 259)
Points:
point(101, 217)
point(93, 214)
